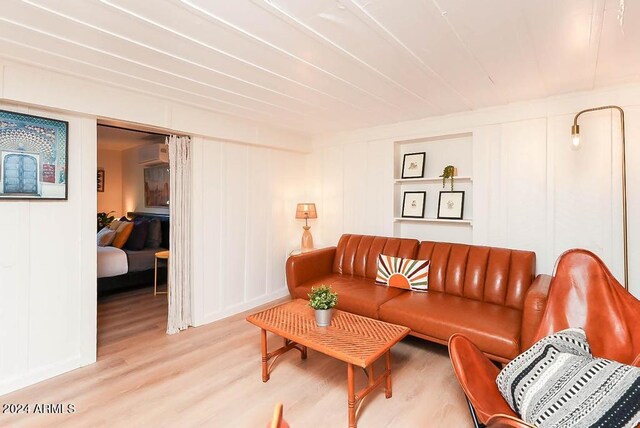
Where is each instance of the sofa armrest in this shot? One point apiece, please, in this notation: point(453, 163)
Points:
point(535, 303)
point(307, 266)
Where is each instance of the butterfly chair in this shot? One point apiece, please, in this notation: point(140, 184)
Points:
point(583, 293)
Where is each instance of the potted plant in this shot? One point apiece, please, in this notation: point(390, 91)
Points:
point(449, 172)
point(323, 299)
point(105, 219)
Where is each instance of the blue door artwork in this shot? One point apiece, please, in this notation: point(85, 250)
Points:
point(20, 174)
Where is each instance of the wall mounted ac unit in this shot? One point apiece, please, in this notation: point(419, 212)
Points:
point(153, 154)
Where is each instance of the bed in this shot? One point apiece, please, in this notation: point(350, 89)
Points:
point(122, 268)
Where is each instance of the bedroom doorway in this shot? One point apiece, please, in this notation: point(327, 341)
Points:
point(134, 227)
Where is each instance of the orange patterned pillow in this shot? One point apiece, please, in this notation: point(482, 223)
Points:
point(403, 273)
point(122, 234)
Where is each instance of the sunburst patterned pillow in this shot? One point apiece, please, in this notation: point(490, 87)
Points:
point(403, 273)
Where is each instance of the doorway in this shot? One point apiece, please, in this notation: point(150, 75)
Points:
point(133, 226)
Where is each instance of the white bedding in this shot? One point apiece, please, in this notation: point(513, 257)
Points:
point(112, 261)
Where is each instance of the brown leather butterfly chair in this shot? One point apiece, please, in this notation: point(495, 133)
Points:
point(583, 293)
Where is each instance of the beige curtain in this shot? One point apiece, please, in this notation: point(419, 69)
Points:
point(180, 234)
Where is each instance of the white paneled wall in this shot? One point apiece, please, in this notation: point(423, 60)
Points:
point(530, 190)
point(47, 251)
point(243, 226)
point(47, 271)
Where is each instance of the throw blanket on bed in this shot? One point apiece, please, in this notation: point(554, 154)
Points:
point(558, 383)
point(111, 262)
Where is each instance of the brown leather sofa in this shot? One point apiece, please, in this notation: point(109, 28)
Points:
point(583, 293)
point(486, 293)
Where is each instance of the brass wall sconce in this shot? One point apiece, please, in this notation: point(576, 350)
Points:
point(575, 145)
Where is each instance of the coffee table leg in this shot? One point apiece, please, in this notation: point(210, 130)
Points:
point(387, 389)
point(303, 354)
point(351, 391)
point(265, 359)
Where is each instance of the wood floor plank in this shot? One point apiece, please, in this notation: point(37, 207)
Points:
point(210, 376)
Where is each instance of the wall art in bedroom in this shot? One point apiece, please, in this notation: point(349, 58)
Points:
point(156, 186)
point(33, 157)
point(100, 180)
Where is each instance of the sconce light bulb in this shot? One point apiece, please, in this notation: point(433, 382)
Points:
point(575, 142)
point(575, 137)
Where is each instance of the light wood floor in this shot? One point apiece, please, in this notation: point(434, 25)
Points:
point(210, 376)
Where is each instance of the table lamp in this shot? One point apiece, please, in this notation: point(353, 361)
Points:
point(306, 211)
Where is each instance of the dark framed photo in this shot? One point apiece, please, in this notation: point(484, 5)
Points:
point(451, 205)
point(100, 180)
point(413, 165)
point(156, 186)
point(413, 204)
point(33, 157)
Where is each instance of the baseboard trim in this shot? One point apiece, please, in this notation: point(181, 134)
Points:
point(42, 373)
point(241, 307)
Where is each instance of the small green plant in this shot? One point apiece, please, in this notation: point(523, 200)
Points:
point(322, 297)
point(104, 219)
point(448, 172)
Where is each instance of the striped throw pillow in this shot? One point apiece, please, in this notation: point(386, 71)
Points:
point(403, 273)
point(558, 383)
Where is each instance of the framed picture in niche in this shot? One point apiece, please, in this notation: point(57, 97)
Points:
point(33, 157)
point(413, 204)
point(100, 180)
point(451, 205)
point(413, 165)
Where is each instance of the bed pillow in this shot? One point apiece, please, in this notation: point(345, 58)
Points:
point(403, 273)
point(154, 237)
point(164, 226)
point(558, 383)
point(138, 236)
point(106, 236)
point(122, 234)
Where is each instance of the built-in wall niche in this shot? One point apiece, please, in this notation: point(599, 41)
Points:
point(440, 151)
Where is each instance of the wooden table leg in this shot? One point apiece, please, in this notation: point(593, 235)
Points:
point(265, 358)
point(303, 354)
point(387, 389)
point(155, 277)
point(351, 392)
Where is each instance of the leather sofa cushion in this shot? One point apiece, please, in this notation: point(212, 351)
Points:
point(493, 328)
point(356, 295)
point(358, 254)
point(489, 274)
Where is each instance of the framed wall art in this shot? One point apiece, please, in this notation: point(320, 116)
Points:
point(451, 205)
point(33, 157)
point(413, 165)
point(156, 186)
point(100, 180)
point(413, 204)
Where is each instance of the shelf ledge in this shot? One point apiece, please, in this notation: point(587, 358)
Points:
point(428, 179)
point(434, 220)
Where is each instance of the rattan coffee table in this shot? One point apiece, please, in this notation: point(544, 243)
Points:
point(354, 339)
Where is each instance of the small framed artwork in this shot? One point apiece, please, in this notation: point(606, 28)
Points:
point(33, 157)
point(156, 186)
point(100, 180)
point(413, 204)
point(451, 205)
point(413, 165)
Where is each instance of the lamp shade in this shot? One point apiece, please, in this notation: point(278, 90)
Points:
point(306, 210)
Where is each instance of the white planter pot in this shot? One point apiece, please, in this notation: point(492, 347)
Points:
point(323, 317)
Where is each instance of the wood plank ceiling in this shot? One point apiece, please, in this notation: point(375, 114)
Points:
point(318, 66)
